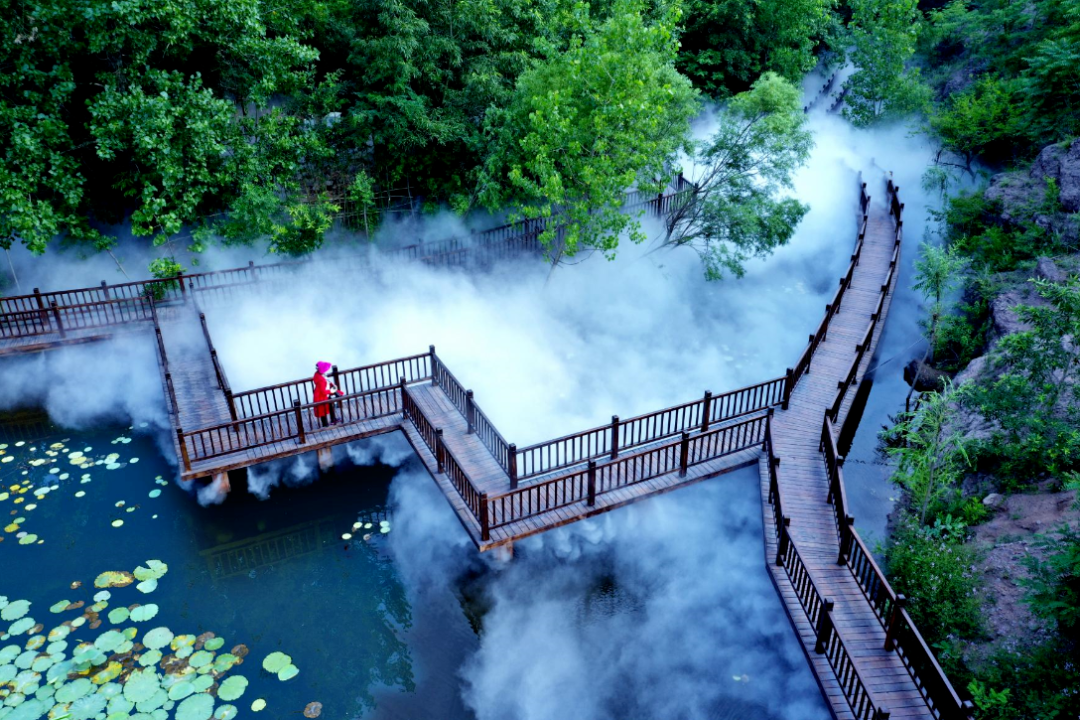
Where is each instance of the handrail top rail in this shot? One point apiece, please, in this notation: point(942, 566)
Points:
point(644, 416)
point(695, 435)
point(340, 372)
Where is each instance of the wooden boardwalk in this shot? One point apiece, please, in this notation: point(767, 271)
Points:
point(867, 654)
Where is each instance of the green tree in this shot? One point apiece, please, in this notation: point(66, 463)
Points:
point(883, 33)
point(728, 44)
point(737, 209)
point(937, 273)
point(585, 124)
point(979, 120)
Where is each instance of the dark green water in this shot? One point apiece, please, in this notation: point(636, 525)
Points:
point(383, 627)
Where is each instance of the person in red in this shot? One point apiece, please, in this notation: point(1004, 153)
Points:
point(324, 390)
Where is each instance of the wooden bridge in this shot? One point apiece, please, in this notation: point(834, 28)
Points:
point(867, 654)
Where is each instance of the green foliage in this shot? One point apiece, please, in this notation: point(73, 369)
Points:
point(1054, 584)
point(163, 268)
point(728, 44)
point(738, 209)
point(1033, 402)
point(1042, 681)
point(930, 459)
point(586, 123)
point(937, 273)
point(883, 33)
point(933, 568)
point(962, 335)
point(993, 704)
point(979, 121)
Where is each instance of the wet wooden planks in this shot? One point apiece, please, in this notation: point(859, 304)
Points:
point(804, 491)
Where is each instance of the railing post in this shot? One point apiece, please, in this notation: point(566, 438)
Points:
point(824, 626)
point(845, 539)
point(511, 460)
point(810, 357)
point(881, 714)
point(434, 361)
point(766, 443)
point(440, 463)
point(299, 421)
point(217, 372)
point(337, 383)
point(706, 409)
point(105, 289)
point(789, 382)
point(614, 436)
point(232, 407)
point(684, 454)
point(56, 318)
point(592, 483)
point(782, 542)
point(485, 518)
point(470, 412)
point(253, 271)
point(893, 628)
point(183, 448)
point(183, 290)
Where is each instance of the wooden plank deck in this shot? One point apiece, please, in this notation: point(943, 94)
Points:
point(804, 488)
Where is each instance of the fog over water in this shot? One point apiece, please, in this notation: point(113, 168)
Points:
point(662, 609)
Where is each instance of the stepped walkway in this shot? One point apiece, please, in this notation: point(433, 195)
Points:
point(869, 658)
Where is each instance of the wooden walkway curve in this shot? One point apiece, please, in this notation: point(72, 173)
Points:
point(869, 658)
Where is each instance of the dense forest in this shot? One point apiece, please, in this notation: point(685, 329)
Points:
point(205, 122)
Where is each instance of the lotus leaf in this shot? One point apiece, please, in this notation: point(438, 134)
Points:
point(9, 653)
point(74, 690)
point(102, 595)
point(117, 523)
point(118, 615)
point(313, 710)
point(42, 664)
point(155, 492)
point(7, 673)
point(113, 578)
point(29, 710)
point(20, 626)
point(120, 704)
point(87, 707)
point(214, 643)
point(125, 647)
point(59, 671)
point(196, 707)
point(181, 690)
point(109, 641)
point(154, 702)
point(185, 651)
point(288, 672)
point(225, 712)
point(258, 704)
point(144, 612)
point(201, 658)
point(275, 661)
point(59, 607)
point(181, 641)
point(15, 610)
point(147, 586)
point(28, 539)
point(141, 685)
point(223, 662)
point(35, 642)
point(158, 638)
point(110, 672)
point(232, 687)
point(150, 657)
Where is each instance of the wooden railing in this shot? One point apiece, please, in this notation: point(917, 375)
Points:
point(621, 435)
point(297, 423)
point(219, 371)
point(474, 500)
point(816, 605)
point(585, 484)
point(377, 376)
point(163, 359)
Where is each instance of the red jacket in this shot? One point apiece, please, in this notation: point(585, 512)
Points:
point(322, 392)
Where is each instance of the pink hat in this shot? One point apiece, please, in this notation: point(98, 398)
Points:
point(322, 366)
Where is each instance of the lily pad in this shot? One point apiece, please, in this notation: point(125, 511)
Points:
point(147, 586)
point(154, 569)
point(144, 612)
point(214, 643)
point(15, 609)
point(59, 607)
point(200, 658)
point(313, 710)
point(155, 492)
point(288, 672)
point(74, 690)
point(118, 615)
point(117, 523)
point(196, 707)
point(150, 657)
point(180, 690)
point(223, 662)
point(109, 641)
point(141, 685)
point(275, 661)
point(258, 704)
point(158, 638)
point(225, 712)
point(113, 578)
point(232, 687)
point(20, 626)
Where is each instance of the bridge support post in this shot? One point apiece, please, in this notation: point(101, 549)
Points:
point(299, 417)
point(614, 436)
point(504, 553)
point(56, 319)
point(684, 454)
point(220, 480)
point(470, 412)
point(706, 410)
point(782, 543)
point(824, 627)
point(325, 456)
point(893, 628)
point(592, 483)
point(485, 518)
point(511, 461)
point(845, 539)
point(183, 448)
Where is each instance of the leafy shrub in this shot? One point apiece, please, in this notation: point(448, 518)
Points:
point(933, 568)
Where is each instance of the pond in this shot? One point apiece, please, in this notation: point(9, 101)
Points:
point(361, 593)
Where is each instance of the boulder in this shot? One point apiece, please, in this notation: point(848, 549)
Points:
point(1047, 269)
point(1021, 193)
point(994, 501)
point(929, 378)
